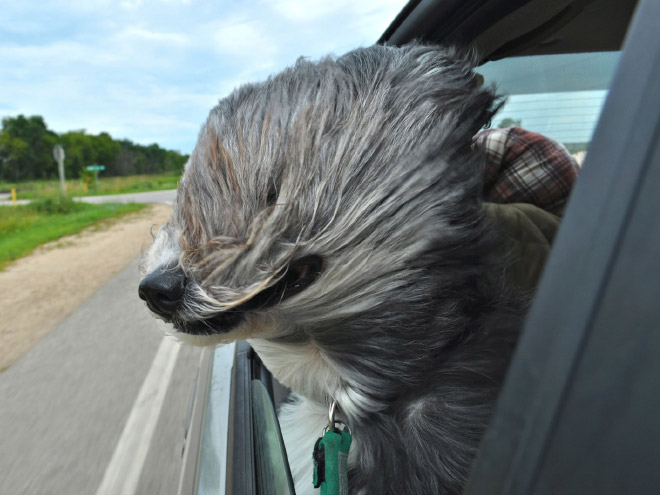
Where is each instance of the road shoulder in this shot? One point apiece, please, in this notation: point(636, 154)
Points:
point(40, 290)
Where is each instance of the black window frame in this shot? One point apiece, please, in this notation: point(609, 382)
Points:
point(241, 456)
point(240, 371)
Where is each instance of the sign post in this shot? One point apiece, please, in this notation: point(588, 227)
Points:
point(95, 169)
point(58, 154)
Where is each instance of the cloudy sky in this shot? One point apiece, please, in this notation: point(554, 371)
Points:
point(150, 70)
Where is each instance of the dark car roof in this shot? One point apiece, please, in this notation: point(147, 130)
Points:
point(503, 28)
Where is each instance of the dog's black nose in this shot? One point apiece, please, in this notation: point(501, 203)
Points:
point(163, 290)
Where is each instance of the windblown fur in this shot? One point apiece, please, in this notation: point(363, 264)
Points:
point(365, 162)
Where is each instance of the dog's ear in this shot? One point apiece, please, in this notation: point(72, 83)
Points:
point(447, 90)
point(479, 107)
point(465, 99)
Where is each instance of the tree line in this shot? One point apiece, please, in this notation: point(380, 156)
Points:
point(26, 153)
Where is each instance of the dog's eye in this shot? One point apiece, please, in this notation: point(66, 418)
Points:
point(303, 272)
point(299, 275)
point(271, 196)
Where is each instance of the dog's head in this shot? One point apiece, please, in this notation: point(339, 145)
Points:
point(325, 196)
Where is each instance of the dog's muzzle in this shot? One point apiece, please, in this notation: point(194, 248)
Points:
point(163, 290)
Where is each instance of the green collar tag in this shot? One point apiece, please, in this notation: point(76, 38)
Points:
point(331, 462)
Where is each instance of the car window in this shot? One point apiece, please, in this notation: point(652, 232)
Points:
point(271, 461)
point(212, 463)
point(559, 96)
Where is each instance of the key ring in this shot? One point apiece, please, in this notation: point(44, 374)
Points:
point(331, 415)
point(332, 421)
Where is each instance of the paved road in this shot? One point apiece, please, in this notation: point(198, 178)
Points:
point(65, 404)
point(163, 197)
point(166, 197)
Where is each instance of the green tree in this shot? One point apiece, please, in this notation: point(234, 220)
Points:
point(35, 161)
point(12, 152)
point(104, 151)
point(78, 152)
point(26, 152)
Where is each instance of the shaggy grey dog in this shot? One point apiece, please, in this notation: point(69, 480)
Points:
point(332, 215)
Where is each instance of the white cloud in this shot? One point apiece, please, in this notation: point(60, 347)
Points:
point(137, 33)
point(241, 38)
point(311, 10)
point(315, 10)
point(131, 4)
point(152, 70)
point(373, 16)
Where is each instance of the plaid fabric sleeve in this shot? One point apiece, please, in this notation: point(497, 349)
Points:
point(524, 167)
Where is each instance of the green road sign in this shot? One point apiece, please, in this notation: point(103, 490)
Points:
point(93, 168)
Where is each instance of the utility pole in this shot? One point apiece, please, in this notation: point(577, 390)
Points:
point(58, 153)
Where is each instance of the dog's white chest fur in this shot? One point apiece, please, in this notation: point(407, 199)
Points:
point(300, 367)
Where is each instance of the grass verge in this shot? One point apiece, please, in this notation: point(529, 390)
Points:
point(24, 228)
point(105, 186)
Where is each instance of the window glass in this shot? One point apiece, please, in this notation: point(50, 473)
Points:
point(212, 460)
point(270, 456)
point(559, 96)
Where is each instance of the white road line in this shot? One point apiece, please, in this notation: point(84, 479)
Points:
point(123, 472)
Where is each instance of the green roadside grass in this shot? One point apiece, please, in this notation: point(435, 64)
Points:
point(105, 186)
point(26, 227)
